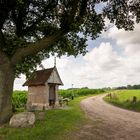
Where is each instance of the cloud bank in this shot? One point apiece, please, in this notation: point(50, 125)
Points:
point(115, 62)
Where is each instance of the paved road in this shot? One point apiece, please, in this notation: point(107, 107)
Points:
point(108, 122)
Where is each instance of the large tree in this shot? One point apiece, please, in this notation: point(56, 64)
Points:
point(31, 30)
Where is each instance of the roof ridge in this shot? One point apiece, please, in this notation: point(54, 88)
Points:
point(45, 69)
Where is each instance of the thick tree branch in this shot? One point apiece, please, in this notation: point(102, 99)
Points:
point(5, 7)
point(44, 43)
point(2, 39)
point(36, 47)
point(3, 58)
point(73, 12)
point(83, 11)
point(83, 8)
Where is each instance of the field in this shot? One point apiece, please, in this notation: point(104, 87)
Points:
point(125, 99)
point(79, 92)
point(58, 124)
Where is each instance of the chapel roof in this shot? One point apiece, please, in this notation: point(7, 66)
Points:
point(40, 77)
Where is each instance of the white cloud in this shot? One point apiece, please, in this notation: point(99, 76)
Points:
point(103, 66)
point(19, 82)
point(103, 57)
point(128, 40)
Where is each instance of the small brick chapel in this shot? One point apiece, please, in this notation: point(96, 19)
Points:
point(43, 89)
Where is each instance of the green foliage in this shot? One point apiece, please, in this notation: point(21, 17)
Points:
point(19, 99)
point(124, 99)
point(79, 92)
point(123, 13)
point(25, 22)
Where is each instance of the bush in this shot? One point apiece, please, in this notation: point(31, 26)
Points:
point(79, 92)
point(19, 99)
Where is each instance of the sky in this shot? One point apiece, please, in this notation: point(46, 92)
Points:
point(112, 60)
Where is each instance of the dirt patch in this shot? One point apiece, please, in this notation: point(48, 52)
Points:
point(108, 122)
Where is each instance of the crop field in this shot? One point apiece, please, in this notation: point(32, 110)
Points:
point(79, 92)
point(128, 99)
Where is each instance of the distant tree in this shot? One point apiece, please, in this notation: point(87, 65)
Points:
point(136, 87)
point(122, 87)
point(129, 87)
point(31, 30)
point(84, 88)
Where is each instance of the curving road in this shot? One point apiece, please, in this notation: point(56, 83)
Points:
point(108, 122)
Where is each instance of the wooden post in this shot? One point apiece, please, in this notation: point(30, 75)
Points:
point(134, 99)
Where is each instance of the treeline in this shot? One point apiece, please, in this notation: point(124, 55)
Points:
point(129, 87)
point(76, 92)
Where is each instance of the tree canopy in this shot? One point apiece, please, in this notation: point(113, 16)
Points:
point(31, 30)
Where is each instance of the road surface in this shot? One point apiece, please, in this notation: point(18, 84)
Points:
point(108, 122)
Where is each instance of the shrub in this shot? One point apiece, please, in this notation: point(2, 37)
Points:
point(19, 99)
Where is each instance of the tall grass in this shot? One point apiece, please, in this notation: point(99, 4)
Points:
point(124, 99)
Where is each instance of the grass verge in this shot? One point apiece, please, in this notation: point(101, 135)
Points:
point(124, 99)
point(57, 125)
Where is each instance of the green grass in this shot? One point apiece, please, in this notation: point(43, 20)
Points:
point(124, 99)
point(58, 125)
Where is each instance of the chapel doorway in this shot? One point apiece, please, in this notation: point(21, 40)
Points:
point(52, 95)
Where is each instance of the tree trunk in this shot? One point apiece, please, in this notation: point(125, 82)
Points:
point(6, 89)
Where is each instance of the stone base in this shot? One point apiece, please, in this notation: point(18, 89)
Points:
point(39, 107)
